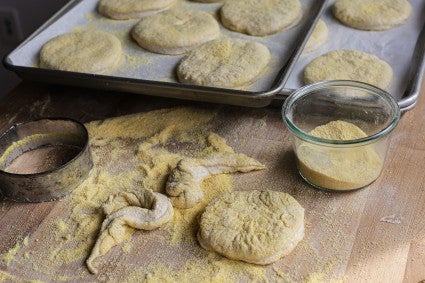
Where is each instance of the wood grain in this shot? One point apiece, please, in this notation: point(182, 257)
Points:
point(347, 235)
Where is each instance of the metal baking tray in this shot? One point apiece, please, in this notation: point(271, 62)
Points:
point(157, 77)
point(402, 47)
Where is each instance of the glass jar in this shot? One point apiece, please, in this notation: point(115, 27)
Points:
point(340, 164)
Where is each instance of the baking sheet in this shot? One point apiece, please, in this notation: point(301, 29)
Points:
point(148, 73)
point(394, 46)
point(141, 64)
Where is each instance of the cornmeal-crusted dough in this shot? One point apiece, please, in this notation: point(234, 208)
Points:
point(175, 31)
point(184, 182)
point(349, 65)
point(372, 15)
point(87, 52)
point(260, 17)
point(317, 38)
point(224, 63)
point(132, 9)
point(142, 209)
point(256, 226)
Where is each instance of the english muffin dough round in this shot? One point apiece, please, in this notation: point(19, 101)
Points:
point(317, 38)
point(224, 63)
point(260, 18)
point(175, 31)
point(372, 15)
point(349, 65)
point(86, 52)
point(132, 9)
point(253, 226)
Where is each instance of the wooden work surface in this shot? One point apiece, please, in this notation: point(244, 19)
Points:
point(348, 228)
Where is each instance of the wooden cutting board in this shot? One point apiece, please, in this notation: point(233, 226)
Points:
point(376, 234)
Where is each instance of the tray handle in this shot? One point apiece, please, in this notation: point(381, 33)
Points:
point(416, 74)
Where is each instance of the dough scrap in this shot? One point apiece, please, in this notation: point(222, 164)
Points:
point(260, 18)
point(132, 9)
point(86, 52)
point(317, 38)
point(253, 226)
point(142, 209)
point(349, 65)
point(224, 63)
point(372, 15)
point(184, 183)
point(175, 31)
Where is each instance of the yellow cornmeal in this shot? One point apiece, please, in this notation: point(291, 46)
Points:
point(38, 139)
point(133, 151)
point(10, 254)
point(339, 168)
point(210, 268)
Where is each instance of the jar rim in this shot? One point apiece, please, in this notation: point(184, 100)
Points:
point(309, 89)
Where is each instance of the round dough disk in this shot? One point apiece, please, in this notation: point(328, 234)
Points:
point(132, 9)
point(317, 38)
point(253, 226)
point(86, 52)
point(175, 31)
point(260, 18)
point(349, 65)
point(224, 63)
point(372, 15)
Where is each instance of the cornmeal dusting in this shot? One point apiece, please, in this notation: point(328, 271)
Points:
point(131, 152)
point(339, 168)
point(349, 65)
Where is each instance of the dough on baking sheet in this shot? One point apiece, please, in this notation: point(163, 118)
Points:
point(349, 65)
point(253, 226)
point(132, 9)
point(175, 31)
point(372, 15)
point(317, 38)
point(260, 18)
point(224, 63)
point(86, 52)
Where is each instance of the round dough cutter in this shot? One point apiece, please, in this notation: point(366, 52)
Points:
point(43, 160)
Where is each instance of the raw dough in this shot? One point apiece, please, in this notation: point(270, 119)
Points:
point(224, 63)
point(132, 9)
point(184, 183)
point(372, 15)
point(87, 52)
point(317, 38)
point(253, 226)
point(349, 65)
point(175, 31)
point(260, 18)
point(141, 209)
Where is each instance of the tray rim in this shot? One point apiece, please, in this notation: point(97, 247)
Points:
point(208, 94)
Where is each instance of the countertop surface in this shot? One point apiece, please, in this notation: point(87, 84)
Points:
point(376, 234)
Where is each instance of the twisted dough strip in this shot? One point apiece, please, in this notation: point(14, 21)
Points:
point(184, 183)
point(142, 209)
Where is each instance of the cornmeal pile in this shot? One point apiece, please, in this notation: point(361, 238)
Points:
point(136, 151)
point(339, 168)
point(139, 151)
